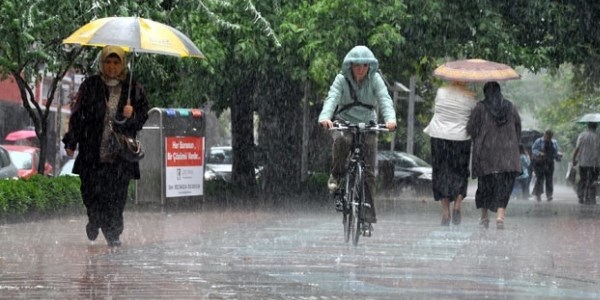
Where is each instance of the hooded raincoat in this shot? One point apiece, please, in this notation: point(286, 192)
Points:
point(372, 92)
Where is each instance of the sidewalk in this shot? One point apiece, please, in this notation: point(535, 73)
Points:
point(543, 253)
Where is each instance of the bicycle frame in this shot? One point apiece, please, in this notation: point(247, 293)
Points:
point(353, 194)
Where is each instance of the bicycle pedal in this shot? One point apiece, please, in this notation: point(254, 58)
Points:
point(339, 206)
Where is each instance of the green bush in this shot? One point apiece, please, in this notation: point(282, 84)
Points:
point(214, 188)
point(317, 183)
point(39, 194)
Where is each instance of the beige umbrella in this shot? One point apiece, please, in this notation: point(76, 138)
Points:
point(590, 118)
point(475, 70)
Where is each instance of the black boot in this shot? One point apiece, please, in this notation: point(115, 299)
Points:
point(91, 231)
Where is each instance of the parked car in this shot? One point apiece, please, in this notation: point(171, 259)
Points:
point(7, 168)
point(219, 164)
point(410, 172)
point(26, 159)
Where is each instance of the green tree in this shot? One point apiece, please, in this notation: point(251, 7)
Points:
point(31, 48)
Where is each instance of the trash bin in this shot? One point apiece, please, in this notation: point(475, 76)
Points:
point(173, 168)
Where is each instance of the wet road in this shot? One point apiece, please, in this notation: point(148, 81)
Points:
point(548, 250)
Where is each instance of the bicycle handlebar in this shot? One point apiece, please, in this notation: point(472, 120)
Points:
point(372, 126)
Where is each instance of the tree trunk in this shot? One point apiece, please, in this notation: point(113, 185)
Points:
point(280, 132)
point(242, 138)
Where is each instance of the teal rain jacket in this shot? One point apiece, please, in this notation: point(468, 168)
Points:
point(372, 92)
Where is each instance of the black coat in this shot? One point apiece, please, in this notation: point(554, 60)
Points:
point(86, 125)
point(495, 148)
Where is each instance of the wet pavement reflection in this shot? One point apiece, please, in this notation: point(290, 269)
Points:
point(548, 250)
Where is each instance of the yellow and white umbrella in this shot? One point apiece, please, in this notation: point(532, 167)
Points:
point(135, 34)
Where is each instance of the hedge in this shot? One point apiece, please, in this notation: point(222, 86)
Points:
point(39, 194)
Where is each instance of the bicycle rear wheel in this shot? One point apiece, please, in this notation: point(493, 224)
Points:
point(358, 196)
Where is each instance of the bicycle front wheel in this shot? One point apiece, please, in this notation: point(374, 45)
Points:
point(349, 218)
point(358, 197)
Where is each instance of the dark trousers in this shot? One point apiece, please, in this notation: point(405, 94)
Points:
point(586, 188)
point(341, 150)
point(104, 194)
point(544, 171)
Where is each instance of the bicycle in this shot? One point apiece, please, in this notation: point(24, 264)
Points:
point(352, 197)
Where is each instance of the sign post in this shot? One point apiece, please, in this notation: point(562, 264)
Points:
point(173, 140)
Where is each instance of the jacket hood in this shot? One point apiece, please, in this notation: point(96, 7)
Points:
point(359, 55)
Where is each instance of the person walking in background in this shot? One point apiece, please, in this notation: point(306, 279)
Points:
point(105, 176)
point(495, 129)
point(587, 156)
point(545, 151)
point(353, 97)
point(451, 147)
point(522, 181)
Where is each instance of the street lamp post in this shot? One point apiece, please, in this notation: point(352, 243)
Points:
point(410, 119)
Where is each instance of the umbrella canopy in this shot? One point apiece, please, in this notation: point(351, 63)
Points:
point(135, 34)
point(590, 118)
point(475, 70)
point(20, 135)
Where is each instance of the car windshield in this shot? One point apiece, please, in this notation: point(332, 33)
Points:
point(21, 160)
point(405, 160)
point(220, 156)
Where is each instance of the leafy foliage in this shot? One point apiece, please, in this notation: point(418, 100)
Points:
point(265, 57)
point(39, 194)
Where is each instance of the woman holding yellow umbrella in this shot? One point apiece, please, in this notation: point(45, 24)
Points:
point(113, 99)
point(105, 176)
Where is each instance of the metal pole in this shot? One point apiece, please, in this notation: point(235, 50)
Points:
point(305, 133)
point(393, 143)
point(411, 116)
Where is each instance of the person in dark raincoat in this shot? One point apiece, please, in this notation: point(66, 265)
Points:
point(495, 129)
point(545, 151)
point(105, 176)
point(353, 97)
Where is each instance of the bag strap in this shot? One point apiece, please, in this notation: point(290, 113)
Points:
point(355, 101)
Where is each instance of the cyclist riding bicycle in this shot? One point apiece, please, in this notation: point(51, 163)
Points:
point(354, 96)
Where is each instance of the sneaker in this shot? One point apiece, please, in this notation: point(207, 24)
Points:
point(332, 184)
point(538, 198)
point(367, 229)
point(339, 206)
point(91, 231)
point(549, 198)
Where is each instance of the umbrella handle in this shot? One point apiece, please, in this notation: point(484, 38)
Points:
point(129, 88)
point(131, 76)
point(120, 122)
